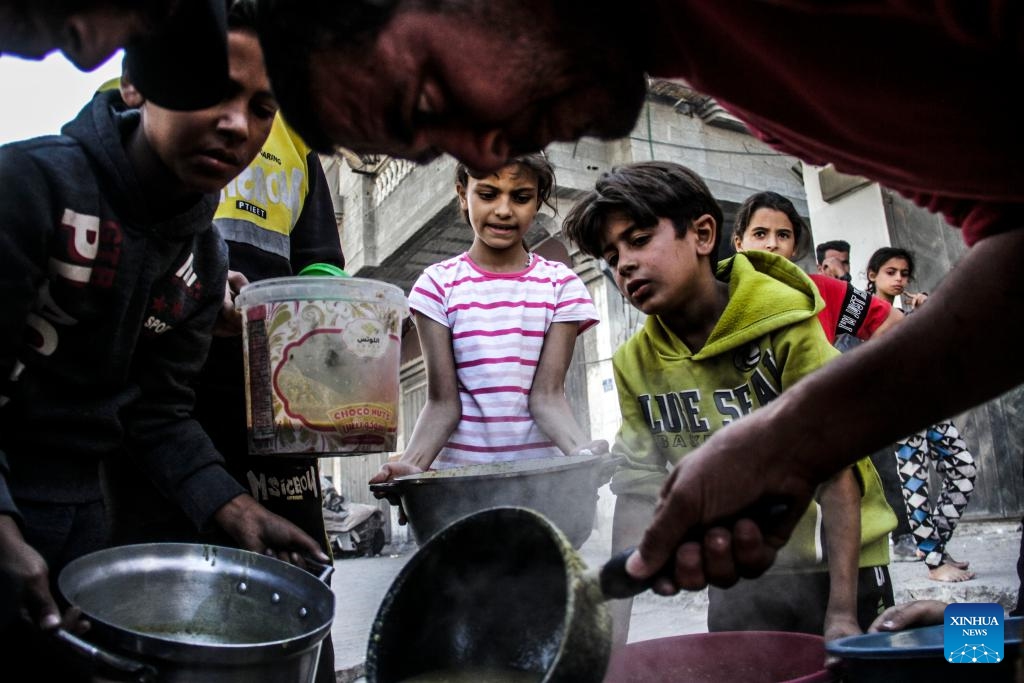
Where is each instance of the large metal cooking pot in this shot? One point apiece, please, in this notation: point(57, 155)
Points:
point(200, 613)
point(748, 656)
point(563, 489)
point(499, 595)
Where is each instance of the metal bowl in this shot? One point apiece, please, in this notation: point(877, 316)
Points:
point(563, 489)
point(498, 595)
point(918, 654)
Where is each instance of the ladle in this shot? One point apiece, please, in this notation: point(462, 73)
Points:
point(500, 591)
point(497, 596)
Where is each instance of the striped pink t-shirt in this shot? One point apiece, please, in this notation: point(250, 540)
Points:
point(498, 322)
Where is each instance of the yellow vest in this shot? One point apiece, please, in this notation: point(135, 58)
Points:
point(271, 191)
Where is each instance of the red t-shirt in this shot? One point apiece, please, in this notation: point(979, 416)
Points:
point(917, 95)
point(848, 309)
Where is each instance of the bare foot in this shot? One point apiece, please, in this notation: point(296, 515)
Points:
point(946, 559)
point(949, 573)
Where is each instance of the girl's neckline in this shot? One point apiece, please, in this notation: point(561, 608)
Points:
point(530, 262)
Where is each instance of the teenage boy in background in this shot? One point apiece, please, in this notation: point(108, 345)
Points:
point(112, 279)
point(720, 341)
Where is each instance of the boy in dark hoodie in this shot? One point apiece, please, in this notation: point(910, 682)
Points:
point(112, 278)
point(293, 228)
point(722, 340)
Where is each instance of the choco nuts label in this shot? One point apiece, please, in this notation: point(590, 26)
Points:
point(333, 379)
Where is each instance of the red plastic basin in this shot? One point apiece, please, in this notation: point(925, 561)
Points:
point(748, 656)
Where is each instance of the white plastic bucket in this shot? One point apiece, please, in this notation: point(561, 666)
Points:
point(321, 364)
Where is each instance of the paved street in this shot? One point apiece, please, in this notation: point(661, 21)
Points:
point(991, 547)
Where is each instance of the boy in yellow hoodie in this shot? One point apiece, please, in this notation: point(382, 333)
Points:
point(720, 341)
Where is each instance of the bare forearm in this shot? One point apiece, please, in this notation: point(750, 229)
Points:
point(963, 330)
point(443, 410)
point(548, 405)
point(436, 422)
point(554, 417)
point(840, 510)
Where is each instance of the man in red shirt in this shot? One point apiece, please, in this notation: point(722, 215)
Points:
point(886, 89)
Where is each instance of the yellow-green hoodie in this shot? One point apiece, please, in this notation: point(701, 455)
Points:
point(672, 399)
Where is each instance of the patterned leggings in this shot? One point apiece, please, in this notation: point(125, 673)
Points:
point(933, 525)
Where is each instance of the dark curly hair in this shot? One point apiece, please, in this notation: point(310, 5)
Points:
point(646, 192)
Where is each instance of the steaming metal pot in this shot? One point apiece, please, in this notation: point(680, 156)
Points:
point(180, 612)
point(563, 489)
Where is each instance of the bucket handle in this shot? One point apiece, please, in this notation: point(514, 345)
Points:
point(318, 569)
point(390, 490)
point(142, 672)
point(607, 466)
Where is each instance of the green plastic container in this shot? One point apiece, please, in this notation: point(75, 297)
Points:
point(323, 269)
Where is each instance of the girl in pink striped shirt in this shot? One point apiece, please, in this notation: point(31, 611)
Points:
point(497, 326)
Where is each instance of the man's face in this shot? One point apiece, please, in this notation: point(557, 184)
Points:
point(205, 149)
point(835, 264)
point(87, 37)
point(483, 92)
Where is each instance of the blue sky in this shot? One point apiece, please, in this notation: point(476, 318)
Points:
point(41, 96)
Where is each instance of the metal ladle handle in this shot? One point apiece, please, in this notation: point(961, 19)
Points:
point(617, 583)
point(320, 570)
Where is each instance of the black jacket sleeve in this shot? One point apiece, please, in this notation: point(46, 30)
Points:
point(315, 236)
point(26, 223)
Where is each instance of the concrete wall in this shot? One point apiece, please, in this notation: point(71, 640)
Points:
point(857, 217)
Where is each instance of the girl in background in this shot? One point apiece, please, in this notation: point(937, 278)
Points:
point(767, 221)
point(497, 326)
point(889, 272)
